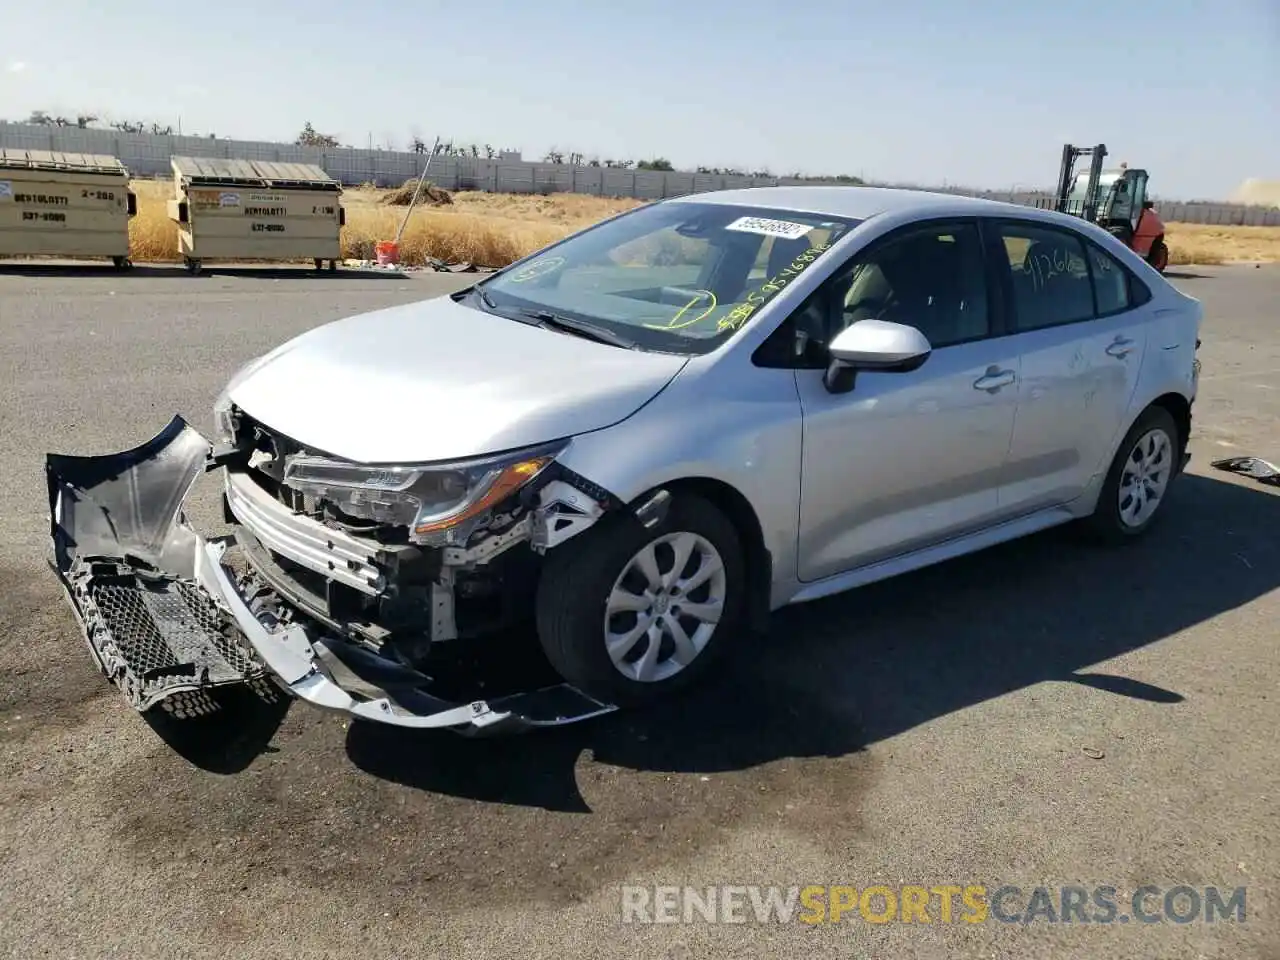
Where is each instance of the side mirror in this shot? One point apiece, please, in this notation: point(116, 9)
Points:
point(1148, 205)
point(878, 345)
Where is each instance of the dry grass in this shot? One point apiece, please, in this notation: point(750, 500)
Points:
point(1200, 243)
point(493, 229)
point(487, 229)
point(153, 237)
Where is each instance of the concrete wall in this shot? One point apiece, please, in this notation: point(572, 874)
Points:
point(148, 155)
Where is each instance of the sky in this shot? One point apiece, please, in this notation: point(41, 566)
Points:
point(973, 93)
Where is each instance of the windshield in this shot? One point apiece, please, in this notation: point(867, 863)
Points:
point(679, 276)
point(1076, 199)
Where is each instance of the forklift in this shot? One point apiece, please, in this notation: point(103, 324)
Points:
point(1116, 200)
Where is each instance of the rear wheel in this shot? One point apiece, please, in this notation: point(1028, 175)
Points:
point(629, 614)
point(1138, 480)
point(1158, 256)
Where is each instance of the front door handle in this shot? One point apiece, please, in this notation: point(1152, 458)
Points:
point(994, 379)
point(1120, 348)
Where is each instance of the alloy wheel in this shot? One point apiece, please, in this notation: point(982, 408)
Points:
point(664, 606)
point(1145, 477)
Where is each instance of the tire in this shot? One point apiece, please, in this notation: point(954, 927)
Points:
point(580, 576)
point(1158, 256)
point(1110, 523)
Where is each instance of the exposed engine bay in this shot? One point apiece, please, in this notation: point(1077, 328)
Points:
point(372, 577)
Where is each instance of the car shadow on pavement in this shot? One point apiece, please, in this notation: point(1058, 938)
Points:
point(836, 675)
point(215, 745)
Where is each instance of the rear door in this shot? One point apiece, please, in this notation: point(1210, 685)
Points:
point(908, 459)
point(1080, 333)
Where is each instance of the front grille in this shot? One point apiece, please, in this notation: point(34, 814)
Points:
point(158, 637)
point(169, 629)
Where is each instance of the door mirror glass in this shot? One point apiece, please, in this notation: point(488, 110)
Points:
point(1148, 205)
point(879, 345)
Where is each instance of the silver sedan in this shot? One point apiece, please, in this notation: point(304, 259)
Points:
point(640, 441)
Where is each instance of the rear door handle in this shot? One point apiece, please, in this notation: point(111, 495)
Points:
point(994, 379)
point(1120, 348)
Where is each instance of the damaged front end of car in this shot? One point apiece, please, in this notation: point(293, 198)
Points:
point(344, 585)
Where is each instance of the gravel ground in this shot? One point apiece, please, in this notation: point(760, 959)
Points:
point(1045, 713)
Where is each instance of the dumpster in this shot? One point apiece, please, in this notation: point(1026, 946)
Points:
point(57, 204)
point(255, 210)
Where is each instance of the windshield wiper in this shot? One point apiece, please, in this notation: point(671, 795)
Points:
point(589, 331)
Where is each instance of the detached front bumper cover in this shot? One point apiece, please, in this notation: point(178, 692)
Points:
point(166, 622)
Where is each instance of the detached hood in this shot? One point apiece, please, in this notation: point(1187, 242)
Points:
point(436, 380)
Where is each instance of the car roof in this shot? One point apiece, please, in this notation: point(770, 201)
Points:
point(861, 203)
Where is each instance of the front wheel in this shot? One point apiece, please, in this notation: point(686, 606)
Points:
point(1158, 256)
point(629, 614)
point(1138, 480)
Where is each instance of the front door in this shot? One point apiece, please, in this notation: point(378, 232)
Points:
point(1080, 338)
point(904, 460)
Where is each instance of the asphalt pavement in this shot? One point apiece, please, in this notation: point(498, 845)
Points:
point(1046, 713)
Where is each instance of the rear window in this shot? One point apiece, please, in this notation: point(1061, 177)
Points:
point(1051, 283)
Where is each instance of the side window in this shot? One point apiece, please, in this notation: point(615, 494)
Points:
point(1110, 282)
point(1139, 292)
point(932, 279)
point(1051, 283)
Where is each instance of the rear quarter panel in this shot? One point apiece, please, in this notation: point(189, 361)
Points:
point(1168, 363)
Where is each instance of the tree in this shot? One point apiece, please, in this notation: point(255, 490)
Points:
point(83, 120)
point(310, 138)
point(40, 118)
point(657, 163)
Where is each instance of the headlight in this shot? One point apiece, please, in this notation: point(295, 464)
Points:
point(439, 503)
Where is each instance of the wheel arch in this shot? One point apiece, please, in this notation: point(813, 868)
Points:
point(1176, 405)
point(735, 505)
point(1179, 407)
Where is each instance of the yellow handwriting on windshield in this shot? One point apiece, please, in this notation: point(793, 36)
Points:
point(676, 323)
point(775, 284)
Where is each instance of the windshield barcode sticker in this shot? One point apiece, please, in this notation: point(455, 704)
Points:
point(770, 228)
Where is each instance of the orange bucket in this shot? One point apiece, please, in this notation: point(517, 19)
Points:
point(388, 252)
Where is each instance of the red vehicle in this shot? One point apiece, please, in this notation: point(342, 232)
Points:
point(1115, 200)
